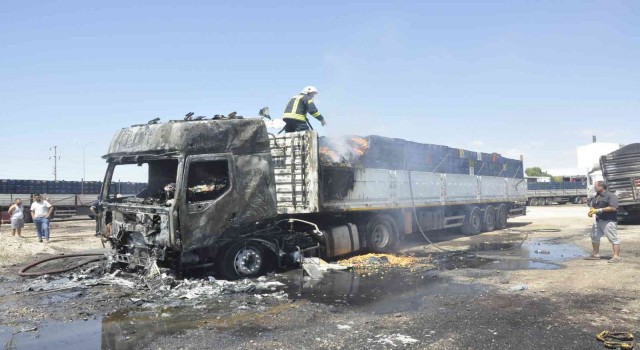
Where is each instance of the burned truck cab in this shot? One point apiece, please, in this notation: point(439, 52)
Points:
point(208, 182)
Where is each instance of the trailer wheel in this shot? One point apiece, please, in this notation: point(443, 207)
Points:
point(242, 260)
point(472, 221)
point(533, 201)
point(548, 201)
point(27, 216)
point(489, 219)
point(501, 217)
point(382, 235)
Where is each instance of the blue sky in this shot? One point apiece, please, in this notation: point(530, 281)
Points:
point(531, 78)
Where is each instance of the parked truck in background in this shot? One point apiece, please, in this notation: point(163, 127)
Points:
point(573, 189)
point(621, 171)
point(227, 196)
point(69, 198)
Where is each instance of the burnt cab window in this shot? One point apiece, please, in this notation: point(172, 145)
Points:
point(207, 180)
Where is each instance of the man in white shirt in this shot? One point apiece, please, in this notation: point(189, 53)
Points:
point(41, 211)
point(17, 218)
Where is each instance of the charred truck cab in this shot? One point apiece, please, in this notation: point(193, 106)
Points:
point(227, 196)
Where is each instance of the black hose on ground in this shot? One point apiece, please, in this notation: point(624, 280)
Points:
point(23, 270)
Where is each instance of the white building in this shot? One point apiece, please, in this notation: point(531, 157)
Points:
point(589, 155)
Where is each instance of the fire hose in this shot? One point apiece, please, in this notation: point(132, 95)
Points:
point(606, 338)
point(23, 271)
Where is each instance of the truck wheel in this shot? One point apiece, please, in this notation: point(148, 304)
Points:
point(243, 260)
point(27, 216)
point(533, 201)
point(472, 221)
point(548, 201)
point(382, 235)
point(501, 217)
point(489, 219)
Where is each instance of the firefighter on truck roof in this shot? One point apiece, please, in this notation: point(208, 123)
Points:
point(295, 114)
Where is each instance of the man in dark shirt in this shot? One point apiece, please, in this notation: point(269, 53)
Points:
point(605, 207)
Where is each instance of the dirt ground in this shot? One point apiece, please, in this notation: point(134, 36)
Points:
point(526, 287)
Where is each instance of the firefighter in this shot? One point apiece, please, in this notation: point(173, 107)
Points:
point(295, 114)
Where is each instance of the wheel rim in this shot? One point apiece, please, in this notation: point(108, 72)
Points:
point(247, 261)
point(475, 220)
point(380, 235)
point(491, 220)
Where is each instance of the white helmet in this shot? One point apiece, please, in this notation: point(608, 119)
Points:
point(309, 89)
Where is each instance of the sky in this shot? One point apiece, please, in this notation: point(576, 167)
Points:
point(530, 78)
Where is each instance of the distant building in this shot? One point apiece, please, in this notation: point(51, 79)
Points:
point(531, 179)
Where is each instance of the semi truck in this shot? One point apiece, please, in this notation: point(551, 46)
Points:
point(229, 197)
point(563, 192)
point(621, 172)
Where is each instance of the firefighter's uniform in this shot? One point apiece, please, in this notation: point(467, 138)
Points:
point(295, 114)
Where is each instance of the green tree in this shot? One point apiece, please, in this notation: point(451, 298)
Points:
point(536, 171)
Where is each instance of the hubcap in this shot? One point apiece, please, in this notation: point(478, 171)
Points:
point(380, 236)
point(247, 261)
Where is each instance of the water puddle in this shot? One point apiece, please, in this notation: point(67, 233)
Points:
point(539, 254)
point(380, 292)
point(80, 335)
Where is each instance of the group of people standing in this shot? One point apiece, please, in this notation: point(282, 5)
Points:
point(41, 212)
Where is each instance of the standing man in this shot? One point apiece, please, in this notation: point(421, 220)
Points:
point(41, 212)
point(605, 206)
point(17, 217)
point(295, 114)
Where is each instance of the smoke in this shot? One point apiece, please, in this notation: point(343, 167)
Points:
point(344, 150)
point(275, 124)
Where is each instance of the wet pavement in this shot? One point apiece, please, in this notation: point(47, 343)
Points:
point(538, 254)
point(379, 291)
point(54, 335)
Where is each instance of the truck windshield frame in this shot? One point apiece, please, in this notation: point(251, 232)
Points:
point(160, 173)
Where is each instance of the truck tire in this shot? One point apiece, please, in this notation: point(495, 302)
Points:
point(533, 201)
point(548, 201)
point(382, 235)
point(489, 219)
point(243, 259)
point(472, 224)
point(27, 216)
point(501, 217)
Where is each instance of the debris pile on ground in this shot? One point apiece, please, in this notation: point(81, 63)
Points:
point(385, 260)
point(191, 289)
point(159, 286)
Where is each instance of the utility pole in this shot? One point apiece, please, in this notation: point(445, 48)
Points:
point(84, 167)
point(55, 162)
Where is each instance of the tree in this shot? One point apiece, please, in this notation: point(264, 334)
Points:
point(536, 171)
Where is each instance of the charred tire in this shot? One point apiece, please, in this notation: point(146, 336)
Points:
point(243, 260)
point(501, 217)
point(382, 235)
point(472, 221)
point(548, 201)
point(489, 219)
